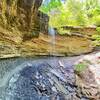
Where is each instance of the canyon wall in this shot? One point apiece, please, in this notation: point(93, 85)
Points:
point(24, 32)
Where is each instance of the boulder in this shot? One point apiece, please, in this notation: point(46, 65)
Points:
point(88, 78)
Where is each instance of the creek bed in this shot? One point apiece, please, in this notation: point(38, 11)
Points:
point(48, 78)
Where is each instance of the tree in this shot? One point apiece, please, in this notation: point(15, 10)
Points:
point(51, 4)
point(73, 12)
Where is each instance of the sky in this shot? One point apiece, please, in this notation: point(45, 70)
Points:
point(47, 1)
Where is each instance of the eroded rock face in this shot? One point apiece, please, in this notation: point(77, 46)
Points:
point(21, 21)
point(64, 46)
point(23, 16)
point(20, 14)
point(89, 31)
point(43, 46)
point(41, 82)
point(88, 79)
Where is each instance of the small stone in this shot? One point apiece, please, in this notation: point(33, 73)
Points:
point(29, 64)
point(44, 98)
point(51, 81)
point(54, 89)
point(70, 89)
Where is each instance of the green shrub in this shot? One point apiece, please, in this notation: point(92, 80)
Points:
point(97, 20)
point(80, 67)
point(63, 31)
point(97, 40)
point(98, 29)
point(96, 37)
point(72, 12)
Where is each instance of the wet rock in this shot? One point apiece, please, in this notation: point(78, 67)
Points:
point(38, 83)
point(43, 79)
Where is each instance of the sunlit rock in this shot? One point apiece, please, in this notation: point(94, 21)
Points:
point(20, 21)
point(24, 32)
point(88, 79)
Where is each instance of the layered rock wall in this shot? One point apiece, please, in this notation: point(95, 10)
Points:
point(22, 28)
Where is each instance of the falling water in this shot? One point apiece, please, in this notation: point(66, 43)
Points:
point(52, 33)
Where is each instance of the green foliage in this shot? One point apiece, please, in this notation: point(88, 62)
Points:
point(96, 11)
point(46, 8)
point(98, 29)
point(97, 37)
point(63, 31)
point(77, 12)
point(97, 40)
point(69, 16)
point(97, 20)
point(73, 12)
point(80, 67)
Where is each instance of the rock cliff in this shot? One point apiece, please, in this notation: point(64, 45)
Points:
point(23, 28)
point(88, 75)
point(20, 14)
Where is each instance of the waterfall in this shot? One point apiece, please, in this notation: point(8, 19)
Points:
point(52, 33)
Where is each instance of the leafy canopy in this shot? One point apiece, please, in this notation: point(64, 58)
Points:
point(48, 6)
point(72, 12)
